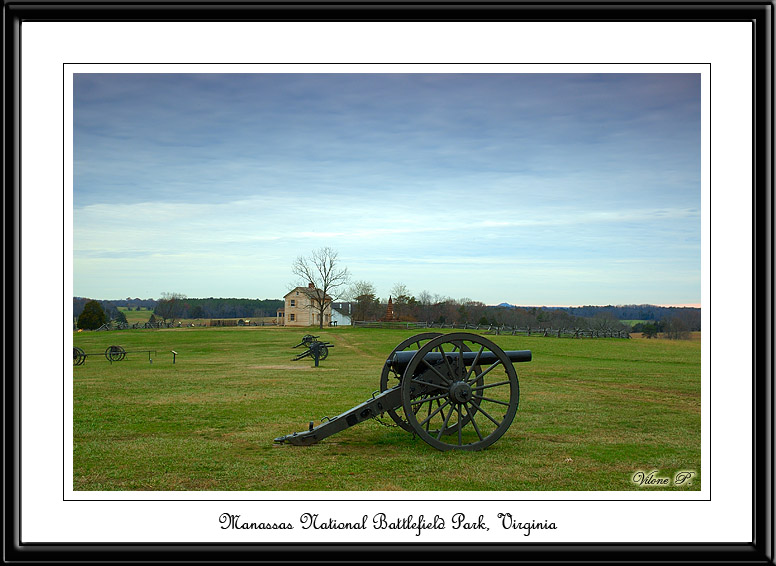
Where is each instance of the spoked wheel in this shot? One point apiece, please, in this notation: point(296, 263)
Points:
point(323, 353)
point(79, 356)
point(115, 353)
point(450, 401)
point(388, 374)
point(390, 379)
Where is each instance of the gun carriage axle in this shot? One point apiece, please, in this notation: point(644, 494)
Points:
point(456, 391)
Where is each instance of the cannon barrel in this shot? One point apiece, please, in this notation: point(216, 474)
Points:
point(400, 360)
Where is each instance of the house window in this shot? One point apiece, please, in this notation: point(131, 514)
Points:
point(291, 316)
point(293, 303)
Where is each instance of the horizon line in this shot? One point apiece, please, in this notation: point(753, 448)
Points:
point(566, 306)
point(675, 305)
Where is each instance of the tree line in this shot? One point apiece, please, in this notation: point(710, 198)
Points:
point(222, 308)
point(364, 305)
point(173, 306)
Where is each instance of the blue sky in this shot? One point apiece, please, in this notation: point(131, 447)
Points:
point(534, 189)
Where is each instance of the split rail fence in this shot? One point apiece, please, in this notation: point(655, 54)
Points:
point(504, 329)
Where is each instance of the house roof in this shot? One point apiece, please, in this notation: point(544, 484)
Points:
point(307, 291)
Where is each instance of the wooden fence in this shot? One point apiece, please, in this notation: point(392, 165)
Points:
point(503, 329)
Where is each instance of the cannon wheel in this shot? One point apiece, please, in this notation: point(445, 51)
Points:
point(413, 342)
point(387, 375)
point(115, 353)
point(323, 352)
point(79, 357)
point(477, 405)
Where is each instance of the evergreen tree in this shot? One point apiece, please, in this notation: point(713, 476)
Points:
point(650, 330)
point(92, 317)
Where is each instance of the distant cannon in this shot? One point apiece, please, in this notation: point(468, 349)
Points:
point(115, 353)
point(316, 350)
point(307, 339)
point(456, 391)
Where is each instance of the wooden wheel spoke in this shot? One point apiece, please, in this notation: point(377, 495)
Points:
point(430, 416)
point(474, 422)
point(474, 364)
point(484, 412)
point(436, 371)
point(488, 386)
point(450, 371)
point(480, 376)
point(460, 426)
point(420, 381)
point(492, 400)
point(416, 409)
point(444, 424)
point(434, 398)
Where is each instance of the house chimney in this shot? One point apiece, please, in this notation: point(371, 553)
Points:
point(311, 286)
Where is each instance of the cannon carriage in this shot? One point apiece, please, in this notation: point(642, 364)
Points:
point(316, 350)
point(456, 391)
point(307, 339)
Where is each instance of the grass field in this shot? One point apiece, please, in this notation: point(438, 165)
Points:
point(134, 316)
point(633, 322)
point(141, 316)
point(591, 414)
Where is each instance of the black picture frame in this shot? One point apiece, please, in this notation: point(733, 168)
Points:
point(760, 14)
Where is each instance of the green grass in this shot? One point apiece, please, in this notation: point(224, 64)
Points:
point(134, 316)
point(591, 414)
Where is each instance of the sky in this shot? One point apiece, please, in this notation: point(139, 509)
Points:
point(531, 189)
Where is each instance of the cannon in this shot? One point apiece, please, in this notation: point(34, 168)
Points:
point(456, 391)
point(316, 350)
point(112, 354)
point(115, 353)
point(307, 339)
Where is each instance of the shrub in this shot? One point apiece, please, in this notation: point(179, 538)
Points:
point(92, 317)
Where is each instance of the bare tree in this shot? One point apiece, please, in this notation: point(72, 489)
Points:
point(363, 294)
point(399, 289)
point(605, 322)
point(170, 306)
point(677, 329)
point(403, 302)
point(425, 309)
point(323, 277)
point(470, 311)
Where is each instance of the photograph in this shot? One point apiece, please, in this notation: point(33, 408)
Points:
point(346, 283)
point(222, 220)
